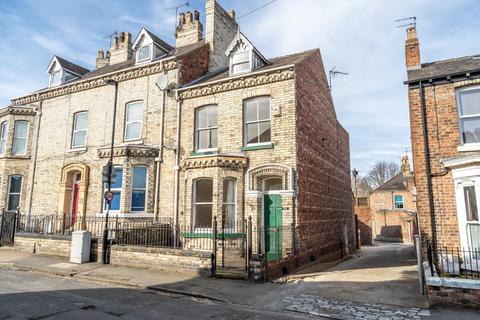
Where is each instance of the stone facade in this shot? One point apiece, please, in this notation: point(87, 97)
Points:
point(307, 150)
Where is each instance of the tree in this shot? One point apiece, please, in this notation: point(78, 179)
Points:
point(380, 173)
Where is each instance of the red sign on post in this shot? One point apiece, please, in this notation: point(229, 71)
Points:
point(108, 196)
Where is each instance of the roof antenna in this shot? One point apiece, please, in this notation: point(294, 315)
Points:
point(185, 4)
point(111, 35)
point(412, 22)
point(332, 74)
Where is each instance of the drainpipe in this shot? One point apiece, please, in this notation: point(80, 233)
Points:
point(177, 163)
point(428, 169)
point(34, 159)
point(159, 160)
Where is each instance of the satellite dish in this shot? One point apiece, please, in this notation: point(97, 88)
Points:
point(162, 82)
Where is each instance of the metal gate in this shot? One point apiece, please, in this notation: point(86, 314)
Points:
point(231, 247)
point(8, 222)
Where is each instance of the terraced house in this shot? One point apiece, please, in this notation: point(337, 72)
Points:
point(208, 129)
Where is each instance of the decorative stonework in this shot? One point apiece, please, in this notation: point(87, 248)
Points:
point(20, 111)
point(239, 83)
point(466, 83)
point(221, 161)
point(255, 176)
point(129, 151)
point(98, 82)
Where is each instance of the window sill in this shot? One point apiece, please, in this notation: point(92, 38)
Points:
point(79, 149)
point(130, 142)
point(469, 147)
point(210, 235)
point(204, 153)
point(257, 147)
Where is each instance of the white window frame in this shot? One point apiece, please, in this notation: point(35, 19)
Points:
point(15, 193)
point(141, 189)
point(462, 117)
point(127, 122)
point(74, 130)
point(246, 123)
point(150, 51)
point(233, 64)
point(3, 137)
point(207, 128)
point(22, 138)
point(230, 229)
point(120, 189)
point(51, 83)
point(395, 201)
point(194, 208)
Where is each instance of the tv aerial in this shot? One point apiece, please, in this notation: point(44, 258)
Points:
point(332, 74)
point(409, 22)
point(185, 4)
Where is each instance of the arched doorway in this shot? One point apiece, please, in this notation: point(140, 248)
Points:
point(73, 194)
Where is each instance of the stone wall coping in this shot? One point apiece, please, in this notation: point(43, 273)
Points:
point(167, 251)
point(43, 236)
point(437, 281)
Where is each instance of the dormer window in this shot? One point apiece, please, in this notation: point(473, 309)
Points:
point(240, 62)
point(62, 71)
point(148, 47)
point(144, 53)
point(244, 57)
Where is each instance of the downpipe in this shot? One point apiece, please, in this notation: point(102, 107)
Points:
point(159, 160)
point(177, 168)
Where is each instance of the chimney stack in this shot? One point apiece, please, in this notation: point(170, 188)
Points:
point(102, 60)
point(121, 49)
point(412, 49)
point(189, 29)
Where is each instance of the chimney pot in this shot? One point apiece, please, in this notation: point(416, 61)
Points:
point(100, 54)
point(181, 19)
point(231, 13)
point(189, 17)
point(122, 37)
point(196, 15)
point(107, 55)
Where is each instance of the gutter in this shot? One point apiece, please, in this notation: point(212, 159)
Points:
point(33, 162)
point(447, 77)
point(428, 169)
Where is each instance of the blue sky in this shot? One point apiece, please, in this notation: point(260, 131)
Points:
point(357, 36)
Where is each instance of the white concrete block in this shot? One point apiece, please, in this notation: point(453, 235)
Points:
point(80, 248)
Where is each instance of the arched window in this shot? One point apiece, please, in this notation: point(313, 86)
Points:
point(229, 203)
point(202, 203)
point(206, 127)
point(272, 184)
point(3, 136)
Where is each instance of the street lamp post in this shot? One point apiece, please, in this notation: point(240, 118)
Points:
point(109, 172)
point(355, 174)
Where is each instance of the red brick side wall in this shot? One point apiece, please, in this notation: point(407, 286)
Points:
point(323, 160)
point(364, 224)
point(444, 138)
point(454, 296)
point(193, 64)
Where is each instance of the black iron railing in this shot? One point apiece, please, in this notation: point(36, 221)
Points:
point(453, 262)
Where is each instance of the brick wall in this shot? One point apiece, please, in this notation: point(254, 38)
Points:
point(176, 260)
point(438, 295)
point(49, 245)
point(443, 138)
point(193, 64)
point(365, 219)
point(324, 187)
point(393, 225)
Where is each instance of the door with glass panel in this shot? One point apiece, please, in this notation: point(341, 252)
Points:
point(472, 225)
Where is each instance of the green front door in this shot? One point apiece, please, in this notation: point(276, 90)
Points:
point(273, 224)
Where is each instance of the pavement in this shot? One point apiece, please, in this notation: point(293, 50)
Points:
point(380, 282)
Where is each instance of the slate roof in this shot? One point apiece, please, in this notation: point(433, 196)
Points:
point(65, 64)
point(281, 61)
point(397, 182)
point(444, 68)
point(159, 41)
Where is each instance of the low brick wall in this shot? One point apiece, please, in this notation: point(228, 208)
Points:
point(43, 244)
point(452, 291)
point(177, 260)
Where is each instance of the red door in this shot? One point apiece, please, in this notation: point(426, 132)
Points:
point(75, 203)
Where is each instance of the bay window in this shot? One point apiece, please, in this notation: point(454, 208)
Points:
point(206, 128)
point(228, 204)
point(257, 120)
point(202, 203)
point(14, 192)
point(80, 124)
point(20, 135)
point(139, 189)
point(3, 137)
point(116, 190)
point(133, 121)
point(469, 113)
